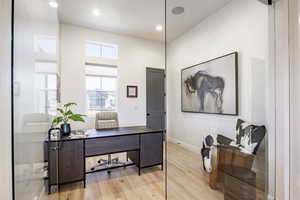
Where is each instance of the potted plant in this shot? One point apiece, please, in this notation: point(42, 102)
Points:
point(65, 115)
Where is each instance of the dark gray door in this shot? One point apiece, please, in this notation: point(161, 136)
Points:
point(155, 98)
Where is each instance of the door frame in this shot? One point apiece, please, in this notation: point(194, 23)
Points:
point(12, 11)
point(287, 63)
point(286, 71)
point(6, 143)
point(294, 64)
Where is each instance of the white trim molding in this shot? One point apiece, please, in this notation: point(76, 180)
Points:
point(185, 145)
point(5, 96)
point(294, 63)
point(283, 97)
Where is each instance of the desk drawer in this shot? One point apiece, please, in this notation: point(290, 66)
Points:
point(108, 145)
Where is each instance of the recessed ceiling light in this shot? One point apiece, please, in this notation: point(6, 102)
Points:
point(178, 10)
point(159, 27)
point(96, 12)
point(53, 4)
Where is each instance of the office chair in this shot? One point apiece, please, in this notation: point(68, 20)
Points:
point(104, 121)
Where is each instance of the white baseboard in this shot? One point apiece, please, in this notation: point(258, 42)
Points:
point(185, 145)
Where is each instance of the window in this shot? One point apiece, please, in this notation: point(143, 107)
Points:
point(93, 50)
point(98, 50)
point(45, 78)
point(101, 83)
point(46, 84)
point(109, 51)
point(45, 44)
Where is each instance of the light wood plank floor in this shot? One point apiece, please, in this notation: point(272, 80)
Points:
point(186, 181)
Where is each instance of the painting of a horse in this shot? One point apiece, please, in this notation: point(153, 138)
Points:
point(204, 84)
point(211, 87)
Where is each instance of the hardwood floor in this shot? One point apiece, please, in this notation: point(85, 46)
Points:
point(186, 181)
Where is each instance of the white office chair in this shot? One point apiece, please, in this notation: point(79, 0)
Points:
point(104, 121)
point(107, 120)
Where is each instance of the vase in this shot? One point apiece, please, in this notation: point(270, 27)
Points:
point(65, 129)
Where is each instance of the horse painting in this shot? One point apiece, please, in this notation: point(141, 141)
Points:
point(202, 84)
point(211, 87)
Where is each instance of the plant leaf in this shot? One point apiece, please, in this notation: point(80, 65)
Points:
point(69, 112)
point(61, 111)
point(77, 118)
point(57, 120)
point(69, 104)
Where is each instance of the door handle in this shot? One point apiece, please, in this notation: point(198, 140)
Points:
point(54, 148)
point(148, 114)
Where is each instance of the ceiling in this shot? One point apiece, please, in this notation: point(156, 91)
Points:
point(137, 17)
point(195, 12)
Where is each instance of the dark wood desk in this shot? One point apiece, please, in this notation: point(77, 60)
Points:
point(66, 156)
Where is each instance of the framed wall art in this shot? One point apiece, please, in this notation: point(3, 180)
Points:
point(132, 91)
point(211, 87)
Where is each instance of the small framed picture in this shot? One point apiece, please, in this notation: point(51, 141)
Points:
point(132, 91)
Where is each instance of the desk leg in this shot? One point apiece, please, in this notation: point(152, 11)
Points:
point(139, 164)
point(84, 183)
point(49, 189)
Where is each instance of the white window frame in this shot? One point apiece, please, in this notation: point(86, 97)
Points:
point(102, 76)
point(39, 37)
point(46, 90)
point(101, 52)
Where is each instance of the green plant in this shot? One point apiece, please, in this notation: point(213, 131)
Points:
point(66, 114)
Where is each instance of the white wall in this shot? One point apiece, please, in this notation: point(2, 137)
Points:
point(134, 56)
point(5, 71)
point(240, 26)
point(294, 46)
